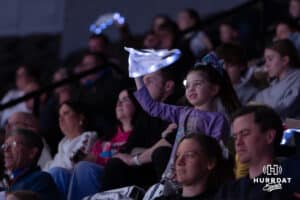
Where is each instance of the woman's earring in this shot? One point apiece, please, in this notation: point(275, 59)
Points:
point(80, 122)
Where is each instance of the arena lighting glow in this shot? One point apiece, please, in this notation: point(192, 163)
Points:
point(106, 20)
point(288, 137)
point(146, 61)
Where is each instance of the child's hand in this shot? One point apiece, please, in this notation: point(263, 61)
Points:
point(139, 82)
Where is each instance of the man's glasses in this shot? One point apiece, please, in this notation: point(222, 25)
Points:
point(10, 145)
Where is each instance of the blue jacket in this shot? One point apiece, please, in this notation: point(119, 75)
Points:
point(36, 181)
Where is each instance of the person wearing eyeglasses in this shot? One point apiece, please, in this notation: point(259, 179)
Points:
point(22, 149)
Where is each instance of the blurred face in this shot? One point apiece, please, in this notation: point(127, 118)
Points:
point(69, 121)
point(234, 72)
point(88, 62)
point(250, 141)
point(166, 39)
point(22, 79)
point(19, 120)
point(282, 31)
point(191, 165)
point(16, 154)
point(184, 21)
point(226, 33)
point(28, 89)
point(155, 85)
point(158, 21)
point(11, 197)
point(294, 8)
point(125, 107)
point(97, 45)
point(151, 41)
point(198, 90)
point(59, 76)
point(275, 64)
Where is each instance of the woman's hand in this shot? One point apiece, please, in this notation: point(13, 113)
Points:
point(171, 128)
point(126, 158)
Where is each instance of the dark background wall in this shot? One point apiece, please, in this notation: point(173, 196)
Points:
point(80, 14)
point(71, 18)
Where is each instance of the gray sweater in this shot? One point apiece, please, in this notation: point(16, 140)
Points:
point(283, 95)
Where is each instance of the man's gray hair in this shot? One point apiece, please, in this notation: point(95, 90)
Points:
point(30, 139)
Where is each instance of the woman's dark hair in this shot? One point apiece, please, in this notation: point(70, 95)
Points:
point(232, 53)
point(166, 18)
point(194, 15)
point(223, 170)
point(79, 108)
point(218, 76)
point(286, 48)
point(138, 115)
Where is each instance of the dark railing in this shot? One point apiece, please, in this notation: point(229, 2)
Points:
point(73, 78)
point(50, 87)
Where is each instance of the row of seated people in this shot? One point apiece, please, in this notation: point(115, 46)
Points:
point(201, 168)
point(208, 89)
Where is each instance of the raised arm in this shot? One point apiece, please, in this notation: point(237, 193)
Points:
point(154, 108)
point(139, 82)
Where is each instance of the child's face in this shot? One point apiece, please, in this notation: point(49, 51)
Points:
point(275, 64)
point(198, 90)
point(226, 33)
point(282, 31)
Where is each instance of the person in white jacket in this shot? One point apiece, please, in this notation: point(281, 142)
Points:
point(72, 121)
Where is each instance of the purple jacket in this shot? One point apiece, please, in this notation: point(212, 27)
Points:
point(189, 120)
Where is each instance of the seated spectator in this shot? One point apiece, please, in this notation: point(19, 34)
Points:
point(168, 36)
point(22, 195)
point(63, 93)
point(288, 29)
point(120, 171)
point(30, 103)
point(282, 65)
point(73, 123)
point(99, 90)
point(228, 34)
point(240, 75)
point(257, 131)
point(193, 40)
point(294, 10)
point(200, 168)
point(160, 20)
point(25, 75)
point(28, 121)
point(22, 149)
point(48, 115)
point(85, 178)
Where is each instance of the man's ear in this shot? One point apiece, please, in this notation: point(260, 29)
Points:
point(169, 85)
point(211, 164)
point(33, 153)
point(270, 137)
point(286, 60)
